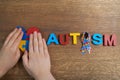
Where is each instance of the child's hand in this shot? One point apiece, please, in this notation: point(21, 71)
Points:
point(37, 61)
point(10, 54)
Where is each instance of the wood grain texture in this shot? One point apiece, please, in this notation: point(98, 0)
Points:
point(64, 16)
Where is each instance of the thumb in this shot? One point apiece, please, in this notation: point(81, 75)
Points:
point(25, 58)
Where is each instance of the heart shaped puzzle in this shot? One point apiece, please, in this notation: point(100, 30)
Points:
point(24, 43)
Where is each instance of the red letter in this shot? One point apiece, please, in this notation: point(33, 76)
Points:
point(63, 40)
point(110, 40)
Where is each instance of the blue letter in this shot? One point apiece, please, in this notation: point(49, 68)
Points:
point(52, 39)
point(97, 39)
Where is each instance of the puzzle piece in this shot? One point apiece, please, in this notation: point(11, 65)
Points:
point(32, 29)
point(24, 32)
point(22, 45)
point(23, 41)
point(27, 45)
point(23, 29)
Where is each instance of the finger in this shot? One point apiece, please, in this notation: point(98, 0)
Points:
point(17, 54)
point(25, 58)
point(46, 53)
point(40, 43)
point(31, 44)
point(14, 37)
point(9, 36)
point(35, 42)
point(17, 41)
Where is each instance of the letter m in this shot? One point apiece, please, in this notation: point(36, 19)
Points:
point(110, 40)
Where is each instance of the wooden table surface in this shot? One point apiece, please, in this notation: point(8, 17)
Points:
point(65, 16)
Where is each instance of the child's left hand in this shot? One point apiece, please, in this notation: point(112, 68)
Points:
point(10, 54)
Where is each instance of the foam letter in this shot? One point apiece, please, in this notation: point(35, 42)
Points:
point(74, 35)
point(110, 40)
point(63, 40)
point(97, 39)
point(52, 39)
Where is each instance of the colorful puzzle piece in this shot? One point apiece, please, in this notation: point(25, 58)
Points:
point(23, 29)
point(31, 30)
point(27, 45)
point(24, 32)
point(24, 44)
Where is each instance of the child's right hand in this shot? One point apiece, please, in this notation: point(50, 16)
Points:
point(37, 61)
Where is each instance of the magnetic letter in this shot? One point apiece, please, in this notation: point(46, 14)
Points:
point(52, 39)
point(110, 40)
point(97, 39)
point(64, 39)
point(74, 35)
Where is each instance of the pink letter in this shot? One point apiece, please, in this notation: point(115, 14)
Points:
point(110, 40)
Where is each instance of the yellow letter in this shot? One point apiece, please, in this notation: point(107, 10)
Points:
point(74, 35)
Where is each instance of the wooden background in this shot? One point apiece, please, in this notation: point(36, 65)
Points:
point(64, 16)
